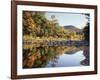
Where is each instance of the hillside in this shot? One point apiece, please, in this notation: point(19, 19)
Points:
point(73, 28)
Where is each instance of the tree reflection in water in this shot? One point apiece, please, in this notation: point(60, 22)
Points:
point(39, 57)
point(86, 62)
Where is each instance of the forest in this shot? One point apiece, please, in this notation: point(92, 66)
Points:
point(45, 40)
point(36, 28)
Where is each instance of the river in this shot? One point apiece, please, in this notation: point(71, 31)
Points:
point(55, 56)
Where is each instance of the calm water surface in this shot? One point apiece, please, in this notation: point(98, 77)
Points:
point(66, 60)
point(39, 57)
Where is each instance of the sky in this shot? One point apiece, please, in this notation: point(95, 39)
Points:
point(64, 19)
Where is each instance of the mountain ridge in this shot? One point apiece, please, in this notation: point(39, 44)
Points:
point(72, 28)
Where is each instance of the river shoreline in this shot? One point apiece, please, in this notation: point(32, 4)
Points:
point(58, 43)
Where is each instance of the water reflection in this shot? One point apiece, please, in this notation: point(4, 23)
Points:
point(86, 61)
point(55, 56)
point(67, 60)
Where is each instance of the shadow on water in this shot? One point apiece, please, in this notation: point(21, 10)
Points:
point(55, 56)
point(86, 61)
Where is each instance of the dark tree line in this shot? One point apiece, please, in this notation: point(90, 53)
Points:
point(86, 29)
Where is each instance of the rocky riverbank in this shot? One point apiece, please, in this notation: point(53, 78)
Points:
point(58, 43)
